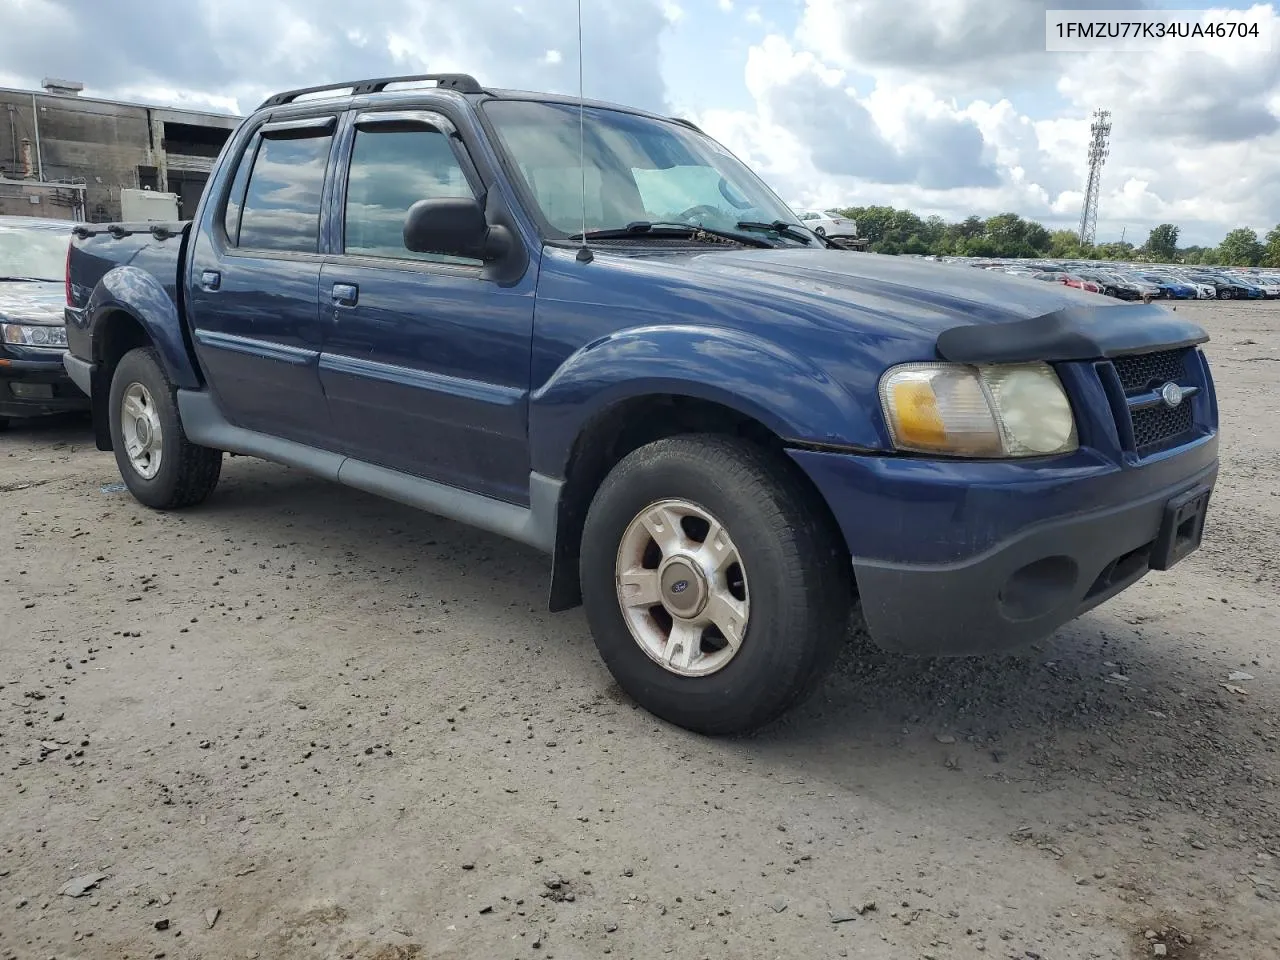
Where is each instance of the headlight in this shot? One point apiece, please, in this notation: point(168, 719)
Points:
point(1002, 410)
point(29, 335)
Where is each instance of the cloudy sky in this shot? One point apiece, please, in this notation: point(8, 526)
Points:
point(943, 106)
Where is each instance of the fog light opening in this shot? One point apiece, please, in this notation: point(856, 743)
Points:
point(1039, 588)
point(32, 391)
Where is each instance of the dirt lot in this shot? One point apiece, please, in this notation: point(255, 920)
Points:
point(350, 730)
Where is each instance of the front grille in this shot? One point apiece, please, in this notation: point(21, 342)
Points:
point(1152, 426)
point(1155, 428)
point(1145, 371)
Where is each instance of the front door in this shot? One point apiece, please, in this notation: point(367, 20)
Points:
point(426, 362)
point(254, 288)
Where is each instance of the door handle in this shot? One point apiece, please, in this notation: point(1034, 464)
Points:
point(210, 279)
point(345, 294)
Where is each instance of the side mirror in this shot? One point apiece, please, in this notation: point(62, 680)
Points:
point(456, 227)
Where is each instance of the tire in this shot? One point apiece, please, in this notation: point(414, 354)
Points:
point(820, 231)
point(796, 581)
point(4, 424)
point(184, 473)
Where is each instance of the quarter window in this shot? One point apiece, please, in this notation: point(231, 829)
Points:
point(391, 170)
point(231, 218)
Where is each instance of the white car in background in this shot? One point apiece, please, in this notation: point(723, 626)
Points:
point(829, 224)
point(1270, 285)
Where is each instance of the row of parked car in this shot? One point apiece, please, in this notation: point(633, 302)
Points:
point(1147, 282)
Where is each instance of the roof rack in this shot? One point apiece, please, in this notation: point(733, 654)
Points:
point(462, 82)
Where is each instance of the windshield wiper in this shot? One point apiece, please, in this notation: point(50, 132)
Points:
point(25, 280)
point(786, 229)
point(662, 228)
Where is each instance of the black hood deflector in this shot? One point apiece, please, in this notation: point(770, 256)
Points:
point(1074, 333)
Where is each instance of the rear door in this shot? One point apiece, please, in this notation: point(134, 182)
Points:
point(426, 361)
point(254, 290)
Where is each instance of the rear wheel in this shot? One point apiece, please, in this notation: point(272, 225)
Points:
point(820, 231)
point(716, 590)
point(159, 465)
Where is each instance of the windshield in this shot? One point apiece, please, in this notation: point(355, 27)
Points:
point(33, 253)
point(636, 168)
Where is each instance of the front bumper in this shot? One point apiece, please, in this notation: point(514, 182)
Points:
point(957, 559)
point(32, 385)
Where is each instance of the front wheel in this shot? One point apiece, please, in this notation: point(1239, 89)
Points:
point(159, 465)
point(716, 588)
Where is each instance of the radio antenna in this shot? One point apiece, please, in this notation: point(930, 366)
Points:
point(584, 252)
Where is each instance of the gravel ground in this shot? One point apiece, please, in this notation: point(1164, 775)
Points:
point(300, 722)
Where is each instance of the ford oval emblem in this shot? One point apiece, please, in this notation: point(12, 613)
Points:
point(680, 586)
point(1171, 394)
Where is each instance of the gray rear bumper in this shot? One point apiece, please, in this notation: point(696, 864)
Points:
point(80, 372)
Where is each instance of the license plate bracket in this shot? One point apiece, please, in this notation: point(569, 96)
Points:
point(1181, 528)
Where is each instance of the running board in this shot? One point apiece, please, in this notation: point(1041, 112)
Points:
point(534, 525)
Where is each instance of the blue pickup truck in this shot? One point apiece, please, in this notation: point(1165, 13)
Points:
point(593, 330)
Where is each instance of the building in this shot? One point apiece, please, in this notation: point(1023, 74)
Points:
point(67, 156)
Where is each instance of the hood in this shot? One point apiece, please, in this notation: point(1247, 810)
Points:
point(35, 301)
point(877, 289)
point(833, 306)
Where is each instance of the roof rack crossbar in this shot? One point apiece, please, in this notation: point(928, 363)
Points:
point(462, 82)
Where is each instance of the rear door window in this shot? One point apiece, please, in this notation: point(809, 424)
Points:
point(282, 205)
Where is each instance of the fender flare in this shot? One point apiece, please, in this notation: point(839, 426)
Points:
point(789, 395)
point(139, 295)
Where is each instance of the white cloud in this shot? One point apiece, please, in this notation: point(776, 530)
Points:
point(202, 47)
point(1181, 119)
point(945, 106)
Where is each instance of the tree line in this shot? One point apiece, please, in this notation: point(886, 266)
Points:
point(893, 231)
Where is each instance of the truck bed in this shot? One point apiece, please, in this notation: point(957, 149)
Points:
point(97, 248)
point(154, 247)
